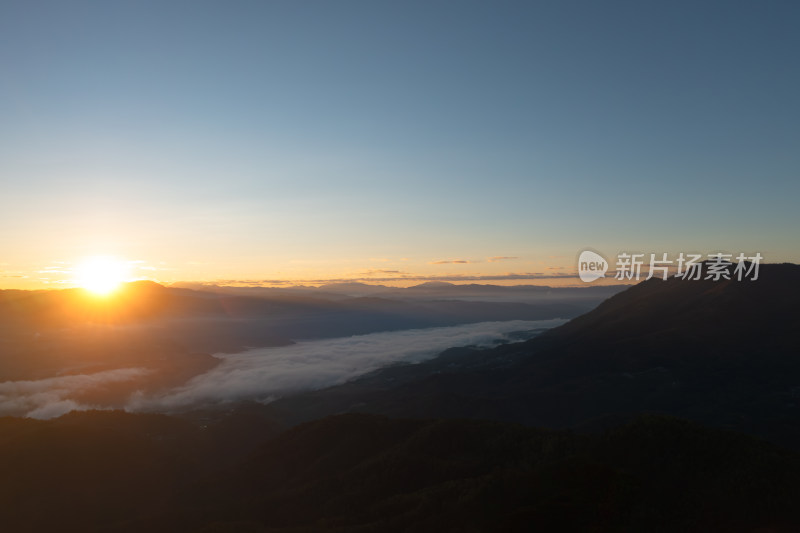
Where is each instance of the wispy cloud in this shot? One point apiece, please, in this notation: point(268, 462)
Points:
point(510, 276)
point(452, 262)
point(497, 258)
point(51, 397)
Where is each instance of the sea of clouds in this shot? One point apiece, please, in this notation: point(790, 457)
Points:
point(264, 374)
point(52, 397)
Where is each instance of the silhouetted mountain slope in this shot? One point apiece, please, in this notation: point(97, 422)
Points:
point(109, 471)
point(724, 353)
point(116, 472)
point(365, 473)
point(720, 315)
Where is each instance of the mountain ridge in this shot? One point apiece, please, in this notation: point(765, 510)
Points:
point(721, 353)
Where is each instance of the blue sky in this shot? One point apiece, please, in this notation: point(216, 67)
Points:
point(312, 140)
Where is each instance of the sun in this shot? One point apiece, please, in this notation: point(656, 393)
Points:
point(102, 274)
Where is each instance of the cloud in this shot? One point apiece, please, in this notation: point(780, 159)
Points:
point(55, 409)
point(264, 374)
point(252, 282)
point(50, 397)
point(373, 272)
point(54, 270)
point(497, 258)
point(452, 261)
point(511, 276)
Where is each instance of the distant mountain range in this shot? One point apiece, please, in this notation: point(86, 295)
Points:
point(48, 333)
point(428, 290)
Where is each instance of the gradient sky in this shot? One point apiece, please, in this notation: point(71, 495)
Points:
point(301, 140)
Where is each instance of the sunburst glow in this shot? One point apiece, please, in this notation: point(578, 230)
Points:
point(102, 275)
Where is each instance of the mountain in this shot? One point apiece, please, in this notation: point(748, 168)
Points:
point(356, 473)
point(500, 293)
point(47, 333)
point(720, 353)
point(352, 288)
point(724, 353)
point(117, 472)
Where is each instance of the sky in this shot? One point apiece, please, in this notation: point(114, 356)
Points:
point(304, 141)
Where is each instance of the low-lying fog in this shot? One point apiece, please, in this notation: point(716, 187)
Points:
point(260, 374)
